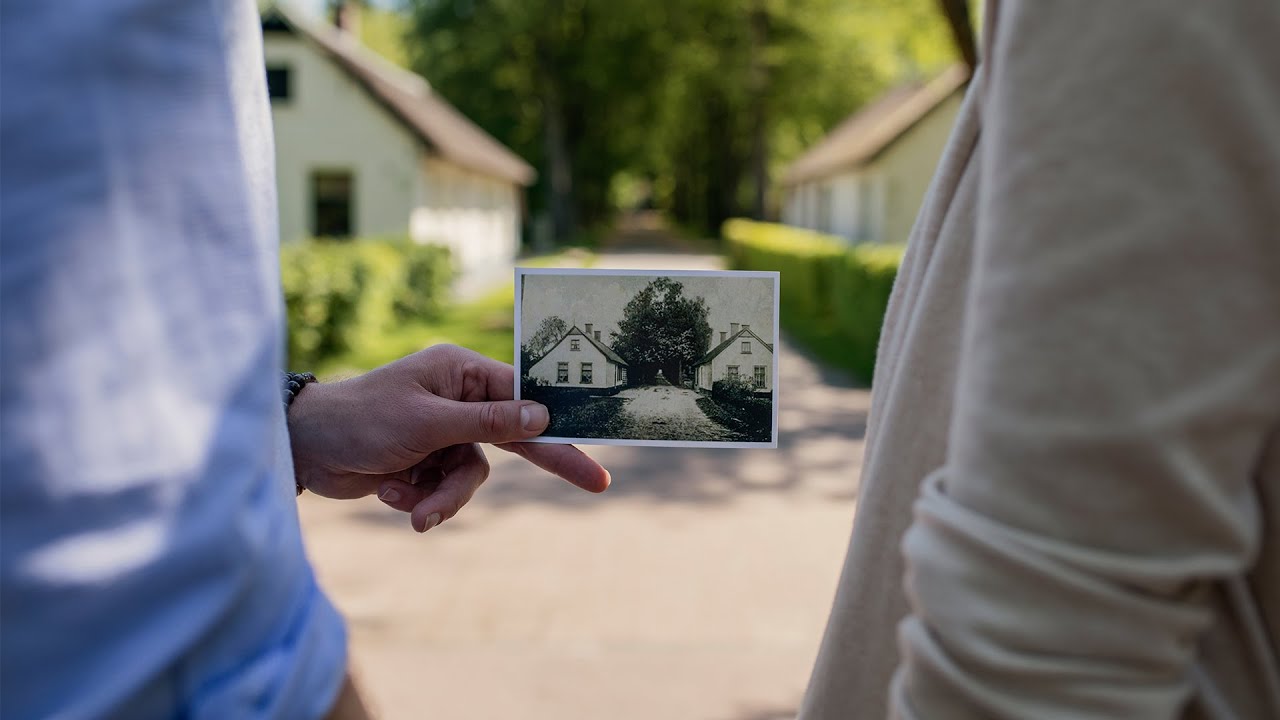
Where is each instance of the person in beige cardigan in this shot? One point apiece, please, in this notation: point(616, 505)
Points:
point(1075, 436)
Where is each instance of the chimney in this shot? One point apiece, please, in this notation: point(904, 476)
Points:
point(588, 326)
point(723, 336)
point(597, 334)
point(746, 326)
point(346, 17)
point(733, 328)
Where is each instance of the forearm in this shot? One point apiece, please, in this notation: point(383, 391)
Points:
point(1120, 370)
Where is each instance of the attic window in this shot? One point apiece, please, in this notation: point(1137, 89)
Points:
point(278, 82)
point(574, 345)
point(746, 347)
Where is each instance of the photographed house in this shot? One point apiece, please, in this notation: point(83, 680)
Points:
point(367, 149)
point(580, 360)
point(740, 355)
point(865, 181)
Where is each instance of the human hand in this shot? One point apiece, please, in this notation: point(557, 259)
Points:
point(409, 432)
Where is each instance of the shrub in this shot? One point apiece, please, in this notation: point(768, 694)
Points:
point(736, 391)
point(806, 261)
point(833, 295)
point(341, 294)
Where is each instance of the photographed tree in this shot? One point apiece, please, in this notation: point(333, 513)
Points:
point(662, 329)
point(549, 331)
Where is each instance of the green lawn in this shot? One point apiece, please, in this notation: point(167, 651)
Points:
point(485, 325)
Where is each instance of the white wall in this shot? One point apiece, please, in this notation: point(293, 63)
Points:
point(746, 362)
point(907, 169)
point(603, 373)
point(877, 202)
point(475, 216)
point(330, 123)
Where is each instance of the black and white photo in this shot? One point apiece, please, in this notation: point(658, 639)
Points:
point(676, 358)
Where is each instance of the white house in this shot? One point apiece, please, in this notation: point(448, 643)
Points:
point(866, 179)
point(741, 355)
point(580, 360)
point(365, 148)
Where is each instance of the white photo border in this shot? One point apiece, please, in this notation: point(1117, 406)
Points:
point(520, 272)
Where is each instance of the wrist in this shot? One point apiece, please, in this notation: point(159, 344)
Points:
point(301, 400)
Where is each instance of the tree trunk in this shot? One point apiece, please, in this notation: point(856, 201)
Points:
point(559, 162)
point(759, 80)
point(957, 14)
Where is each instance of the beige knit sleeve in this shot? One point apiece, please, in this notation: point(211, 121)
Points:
point(1120, 377)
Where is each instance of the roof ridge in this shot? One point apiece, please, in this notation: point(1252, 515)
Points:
point(411, 100)
point(608, 351)
point(710, 354)
point(871, 129)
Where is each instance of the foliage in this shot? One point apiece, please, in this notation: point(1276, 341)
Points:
point(734, 404)
point(341, 294)
point(699, 100)
point(734, 390)
point(834, 295)
point(577, 413)
point(384, 31)
point(661, 328)
point(549, 331)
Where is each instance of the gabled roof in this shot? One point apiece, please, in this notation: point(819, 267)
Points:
point(608, 352)
point(410, 99)
point(863, 136)
point(721, 347)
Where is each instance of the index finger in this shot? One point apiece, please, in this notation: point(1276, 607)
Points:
point(484, 378)
point(565, 461)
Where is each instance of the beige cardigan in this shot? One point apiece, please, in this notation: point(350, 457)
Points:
point(1078, 388)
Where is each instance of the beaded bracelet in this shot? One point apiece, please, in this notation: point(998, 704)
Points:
point(293, 384)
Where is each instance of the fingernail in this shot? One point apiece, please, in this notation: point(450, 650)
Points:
point(533, 416)
point(432, 520)
point(389, 495)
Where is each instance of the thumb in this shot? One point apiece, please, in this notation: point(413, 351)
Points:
point(488, 422)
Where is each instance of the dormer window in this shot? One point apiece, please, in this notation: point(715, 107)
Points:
point(575, 345)
point(746, 347)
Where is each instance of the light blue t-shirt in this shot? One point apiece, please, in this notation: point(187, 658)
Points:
point(151, 564)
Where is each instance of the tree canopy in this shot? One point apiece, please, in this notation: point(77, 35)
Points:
point(662, 329)
point(549, 331)
point(700, 101)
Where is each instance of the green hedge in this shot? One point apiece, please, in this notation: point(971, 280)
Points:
point(833, 295)
point(342, 294)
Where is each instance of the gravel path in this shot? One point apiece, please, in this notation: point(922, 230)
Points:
point(663, 412)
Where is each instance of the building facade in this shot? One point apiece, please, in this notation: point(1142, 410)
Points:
point(580, 360)
point(740, 355)
point(865, 181)
point(367, 149)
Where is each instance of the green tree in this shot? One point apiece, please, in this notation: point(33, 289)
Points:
point(706, 100)
point(662, 329)
point(566, 83)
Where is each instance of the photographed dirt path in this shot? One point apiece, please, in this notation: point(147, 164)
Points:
point(664, 412)
point(696, 588)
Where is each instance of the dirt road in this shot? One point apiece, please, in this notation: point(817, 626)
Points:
point(664, 412)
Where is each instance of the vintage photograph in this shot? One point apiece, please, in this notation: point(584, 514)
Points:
point(650, 357)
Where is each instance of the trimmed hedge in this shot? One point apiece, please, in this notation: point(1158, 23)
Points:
point(339, 295)
point(833, 295)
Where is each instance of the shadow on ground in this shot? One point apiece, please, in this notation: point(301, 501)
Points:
point(822, 419)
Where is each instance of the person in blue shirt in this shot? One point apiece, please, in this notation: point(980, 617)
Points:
point(151, 564)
